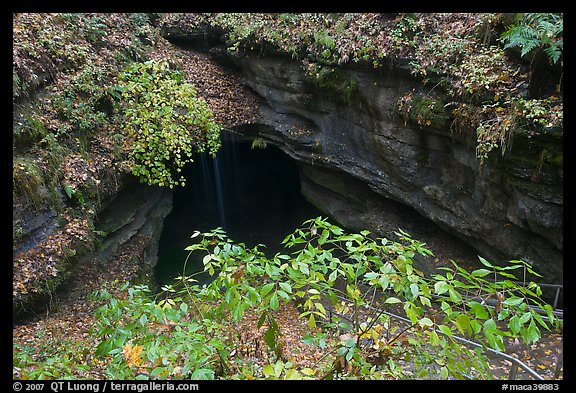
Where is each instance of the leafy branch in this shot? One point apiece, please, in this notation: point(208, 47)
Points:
point(165, 122)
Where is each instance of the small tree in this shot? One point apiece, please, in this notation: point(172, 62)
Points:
point(375, 276)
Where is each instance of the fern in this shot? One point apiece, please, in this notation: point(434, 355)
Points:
point(554, 53)
point(536, 30)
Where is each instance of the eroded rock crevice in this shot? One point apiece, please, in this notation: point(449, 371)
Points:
point(139, 210)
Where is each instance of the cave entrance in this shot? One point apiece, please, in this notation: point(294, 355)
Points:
point(252, 193)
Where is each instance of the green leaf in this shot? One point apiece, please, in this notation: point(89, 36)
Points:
point(392, 300)
point(68, 189)
point(514, 324)
point(202, 374)
point(446, 308)
point(425, 322)
point(495, 341)
point(478, 309)
point(308, 371)
point(311, 321)
point(206, 260)
point(278, 367)
point(157, 371)
point(292, 374)
point(463, 321)
point(480, 272)
point(320, 308)
point(507, 275)
point(513, 301)
point(268, 370)
point(525, 317)
point(414, 289)
point(532, 271)
point(274, 301)
point(454, 296)
point(446, 330)
point(286, 287)
point(333, 275)
point(444, 372)
point(266, 289)
point(270, 337)
point(485, 262)
point(441, 287)
point(539, 319)
point(490, 325)
point(350, 354)
point(411, 314)
point(476, 326)
point(237, 311)
point(262, 319)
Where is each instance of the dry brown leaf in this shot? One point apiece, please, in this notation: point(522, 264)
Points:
point(132, 354)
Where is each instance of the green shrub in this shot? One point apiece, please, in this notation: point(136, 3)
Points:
point(147, 339)
point(50, 358)
point(332, 81)
point(78, 103)
point(344, 285)
point(164, 122)
point(190, 332)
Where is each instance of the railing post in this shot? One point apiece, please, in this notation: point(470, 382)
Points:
point(559, 364)
point(513, 372)
point(558, 289)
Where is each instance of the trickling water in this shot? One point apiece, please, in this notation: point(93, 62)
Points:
point(254, 194)
point(219, 192)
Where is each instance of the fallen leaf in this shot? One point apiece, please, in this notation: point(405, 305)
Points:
point(132, 354)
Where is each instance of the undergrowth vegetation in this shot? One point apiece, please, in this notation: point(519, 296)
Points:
point(68, 151)
point(89, 108)
point(344, 285)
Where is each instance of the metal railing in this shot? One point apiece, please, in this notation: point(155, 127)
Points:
point(559, 287)
point(492, 303)
point(517, 364)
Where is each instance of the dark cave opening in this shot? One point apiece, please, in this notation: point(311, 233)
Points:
point(253, 193)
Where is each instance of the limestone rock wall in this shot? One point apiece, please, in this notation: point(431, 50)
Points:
point(507, 208)
point(137, 210)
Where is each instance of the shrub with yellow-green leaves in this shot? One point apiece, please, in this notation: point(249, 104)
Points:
point(165, 123)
